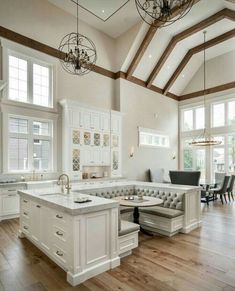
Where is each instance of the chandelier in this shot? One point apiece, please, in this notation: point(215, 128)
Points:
point(78, 53)
point(161, 13)
point(204, 139)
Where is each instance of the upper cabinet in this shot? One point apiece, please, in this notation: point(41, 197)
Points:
point(90, 138)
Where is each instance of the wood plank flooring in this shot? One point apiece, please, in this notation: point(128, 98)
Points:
point(201, 260)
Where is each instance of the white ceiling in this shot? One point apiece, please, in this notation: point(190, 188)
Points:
point(199, 12)
point(125, 14)
point(127, 17)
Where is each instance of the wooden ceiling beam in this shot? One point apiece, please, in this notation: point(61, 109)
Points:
point(208, 91)
point(146, 41)
point(217, 40)
point(225, 13)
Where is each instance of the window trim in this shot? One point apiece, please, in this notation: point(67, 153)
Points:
point(30, 137)
point(23, 51)
point(30, 62)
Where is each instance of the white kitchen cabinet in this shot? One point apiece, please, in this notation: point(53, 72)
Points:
point(95, 120)
point(77, 119)
point(10, 204)
point(97, 143)
point(105, 157)
point(9, 201)
point(86, 119)
point(105, 122)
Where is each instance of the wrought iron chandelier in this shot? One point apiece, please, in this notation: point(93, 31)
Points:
point(162, 13)
point(78, 52)
point(204, 139)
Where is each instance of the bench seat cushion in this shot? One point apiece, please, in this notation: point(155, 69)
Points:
point(128, 227)
point(161, 211)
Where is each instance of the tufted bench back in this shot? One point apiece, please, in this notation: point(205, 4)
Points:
point(170, 200)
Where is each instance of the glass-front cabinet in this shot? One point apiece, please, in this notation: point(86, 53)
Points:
point(91, 138)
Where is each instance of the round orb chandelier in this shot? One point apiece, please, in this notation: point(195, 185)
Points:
point(162, 13)
point(78, 53)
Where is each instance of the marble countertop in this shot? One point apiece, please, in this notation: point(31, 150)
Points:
point(52, 197)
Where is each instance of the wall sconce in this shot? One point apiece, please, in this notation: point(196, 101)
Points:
point(132, 152)
point(173, 156)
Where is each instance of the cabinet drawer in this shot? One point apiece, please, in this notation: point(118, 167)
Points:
point(25, 227)
point(60, 254)
point(25, 203)
point(25, 214)
point(60, 219)
point(59, 234)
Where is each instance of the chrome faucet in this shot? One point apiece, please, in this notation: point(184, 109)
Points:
point(61, 182)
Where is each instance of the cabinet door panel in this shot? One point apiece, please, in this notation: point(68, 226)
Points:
point(87, 120)
point(106, 157)
point(95, 121)
point(77, 119)
point(35, 221)
point(45, 228)
point(10, 204)
point(105, 122)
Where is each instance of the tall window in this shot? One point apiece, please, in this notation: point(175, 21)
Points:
point(193, 118)
point(194, 159)
point(221, 125)
point(29, 80)
point(29, 144)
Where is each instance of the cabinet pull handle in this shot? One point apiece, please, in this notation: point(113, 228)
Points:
point(11, 195)
point(25, 201)
point(38, 206)
point(25, 227)
point(25, 213)
point(60, 254)
point(59, 233)
point(11, 190)
point(59, 216)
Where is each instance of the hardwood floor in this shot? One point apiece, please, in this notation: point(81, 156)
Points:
point(201, 260)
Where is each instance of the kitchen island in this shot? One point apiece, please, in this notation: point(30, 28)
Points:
point(82, 238)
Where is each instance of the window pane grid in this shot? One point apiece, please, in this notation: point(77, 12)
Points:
point(41, 87)
point(18, 90)
point(29, 144)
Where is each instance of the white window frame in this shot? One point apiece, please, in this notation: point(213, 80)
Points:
point(153, 133)
point(194, 108)
point(39, 58)
point(30, 62)
point(30, 136)
point(224, 131)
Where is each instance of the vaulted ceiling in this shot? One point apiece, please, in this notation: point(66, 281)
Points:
point(166, 59)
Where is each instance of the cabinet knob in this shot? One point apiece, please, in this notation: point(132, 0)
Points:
point(38, 206)
point(25, 227)
point(25, 213)
point(60, 254)
point(59, 233)
point(59, 216)
point(25, 201)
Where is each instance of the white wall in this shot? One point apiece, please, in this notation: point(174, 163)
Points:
point(139, 106)
point(42, 21)
point(219, 70)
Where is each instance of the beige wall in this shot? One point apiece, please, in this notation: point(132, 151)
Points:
point(44, 22)
point(139, 107)
point(219, 70)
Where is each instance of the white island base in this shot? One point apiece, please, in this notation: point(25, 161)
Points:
point(83, 242)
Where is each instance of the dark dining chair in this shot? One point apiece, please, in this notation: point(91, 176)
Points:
point(230, 188)
point(222, 190)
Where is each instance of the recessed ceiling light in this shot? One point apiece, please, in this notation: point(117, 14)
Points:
point(102, 11)
point(150, 56)
point(183, 75)
point(168, 67)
